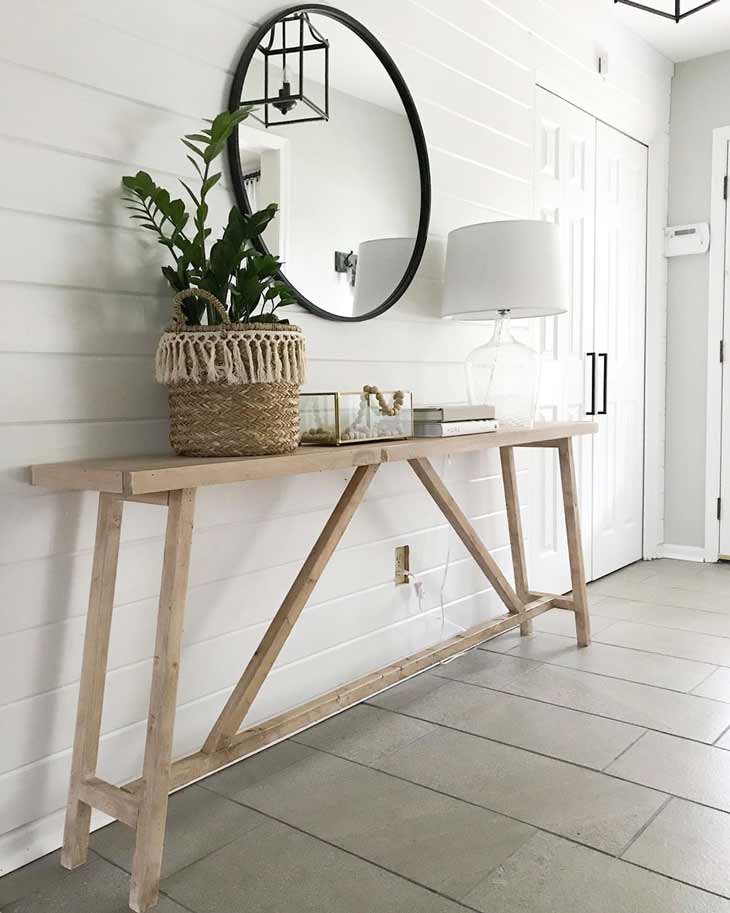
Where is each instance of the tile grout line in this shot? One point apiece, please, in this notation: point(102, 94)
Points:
point(120, 868)
point(486, 738)
point(538, 700)
point(623, 751)
point(722, 734)
point(606, 772)
point(543, 662)
point(704, 681)
point(642, 650)
point(644, 828)
point(342, 849)
point(537, 828)
point(661, 605)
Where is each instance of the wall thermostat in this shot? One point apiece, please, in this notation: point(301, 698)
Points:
point(680, 240)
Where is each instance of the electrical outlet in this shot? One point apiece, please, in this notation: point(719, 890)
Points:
point(402, 564)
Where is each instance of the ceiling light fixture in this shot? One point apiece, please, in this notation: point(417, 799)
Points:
point(290, 42)
point(678, 14)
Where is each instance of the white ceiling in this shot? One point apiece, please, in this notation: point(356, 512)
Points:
point(705, 32)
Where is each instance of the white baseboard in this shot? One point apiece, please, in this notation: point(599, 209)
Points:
point(682, 552)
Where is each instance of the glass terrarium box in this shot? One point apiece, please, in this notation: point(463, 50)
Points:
point(350, 418)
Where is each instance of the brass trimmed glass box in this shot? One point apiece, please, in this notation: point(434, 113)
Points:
point(350, 418)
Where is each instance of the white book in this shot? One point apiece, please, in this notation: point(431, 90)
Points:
point(457, 413)
point(451, 429)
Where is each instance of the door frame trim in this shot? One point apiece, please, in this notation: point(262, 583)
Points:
point(655, 348)
point(715, 320)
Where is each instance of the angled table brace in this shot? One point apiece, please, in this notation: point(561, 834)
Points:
point(171, 483)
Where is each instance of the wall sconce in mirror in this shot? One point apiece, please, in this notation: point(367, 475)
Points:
point(291, 45)
point(346, 263)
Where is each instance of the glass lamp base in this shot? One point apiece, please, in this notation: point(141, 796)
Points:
point(505, 374)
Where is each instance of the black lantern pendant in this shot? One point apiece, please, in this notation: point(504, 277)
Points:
point(293, 40)
point(679, 12)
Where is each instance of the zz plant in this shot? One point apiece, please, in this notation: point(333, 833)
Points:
point(240, 276)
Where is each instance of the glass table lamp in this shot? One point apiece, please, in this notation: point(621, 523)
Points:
point(503, 271)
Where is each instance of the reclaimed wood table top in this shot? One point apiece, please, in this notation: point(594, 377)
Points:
point(150, 474)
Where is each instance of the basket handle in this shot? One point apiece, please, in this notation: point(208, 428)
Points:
point(178, 318)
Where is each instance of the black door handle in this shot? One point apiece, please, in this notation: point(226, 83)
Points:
point(604, 356)
point(592, 356)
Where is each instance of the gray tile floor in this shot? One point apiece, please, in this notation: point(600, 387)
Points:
point(524, 777)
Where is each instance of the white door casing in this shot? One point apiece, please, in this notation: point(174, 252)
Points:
point(620, 316)
point(565, 149)
point(724, 547)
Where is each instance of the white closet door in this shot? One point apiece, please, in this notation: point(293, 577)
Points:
point(564, 193)
point(620, 309)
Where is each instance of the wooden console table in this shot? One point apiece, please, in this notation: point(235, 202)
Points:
point(171, 482)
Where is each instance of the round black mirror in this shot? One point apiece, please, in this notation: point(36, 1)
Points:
point(336, 141)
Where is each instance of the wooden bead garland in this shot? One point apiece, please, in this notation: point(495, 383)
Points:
point(398, 400)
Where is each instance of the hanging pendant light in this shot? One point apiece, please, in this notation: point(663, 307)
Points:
point(679, 12)
point(293, 40)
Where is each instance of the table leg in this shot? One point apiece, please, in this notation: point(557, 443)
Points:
point(244, 694)
point(93, 674)
point(514, 522)
point(466, 532)
point(575, 542)
point(147, 861)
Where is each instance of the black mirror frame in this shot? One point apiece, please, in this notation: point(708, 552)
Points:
point(234, 159)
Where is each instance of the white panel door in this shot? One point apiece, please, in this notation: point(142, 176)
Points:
point(565, 153)
point(620, 313)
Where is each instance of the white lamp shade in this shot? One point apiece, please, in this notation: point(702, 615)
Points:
point(381, 264)
point(496, 266)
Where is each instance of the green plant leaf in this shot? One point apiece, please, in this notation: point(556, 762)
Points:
point(195, 165)
point(220, 127)
point(198, 152)
point(190, 192)
point(210, 183)
point(214, 150)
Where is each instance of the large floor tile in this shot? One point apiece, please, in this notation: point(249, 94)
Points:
point(715, 686)
point(704, 648)
point(560, 797)
point(198, 822)
point(526, 723)
point(406, 692)
point(276, 869)
point(687, 769)
point(664, 616)
point(655, 590)
point(45, 887)
point(641, 705)
point(558, 621)
point(363, 733)
point(550, 875)
point(482, 667)
point(396, 824)
point(688, 842)
point(265, 764)
point(605, 659)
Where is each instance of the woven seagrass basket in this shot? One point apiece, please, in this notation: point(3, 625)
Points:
point(233, 387)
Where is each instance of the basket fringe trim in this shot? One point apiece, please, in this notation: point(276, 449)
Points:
point(231, 357)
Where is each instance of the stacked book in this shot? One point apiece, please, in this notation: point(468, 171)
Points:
point(447, 421)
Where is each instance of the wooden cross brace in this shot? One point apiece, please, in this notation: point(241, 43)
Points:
point(142, 804)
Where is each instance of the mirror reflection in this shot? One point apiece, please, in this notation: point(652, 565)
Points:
point(335, 149)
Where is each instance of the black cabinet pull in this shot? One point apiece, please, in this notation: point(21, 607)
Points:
point(604, 356)
point(592, 356)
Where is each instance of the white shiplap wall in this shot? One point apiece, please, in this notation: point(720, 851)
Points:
point(93, 89)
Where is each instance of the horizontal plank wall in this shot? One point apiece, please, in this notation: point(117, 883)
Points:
point(81, 303)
